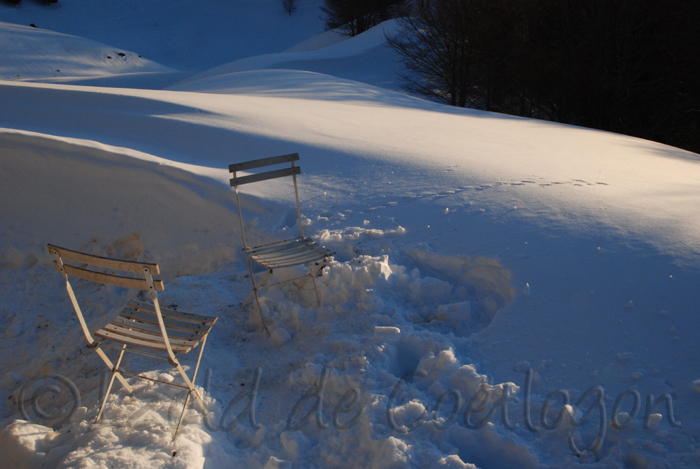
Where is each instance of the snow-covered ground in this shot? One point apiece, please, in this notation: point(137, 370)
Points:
point(476, 253)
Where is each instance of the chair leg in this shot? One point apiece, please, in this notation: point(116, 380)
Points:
point(257, 298)
point(191, 388)
point(255, 291)
point(315, 271)
point(313, 279)
point(247, 298)
point(199, 359)
point(312, 274)
point(262, 319)
point(189, 394)
point(115, 373)
point(194, 378)
point(109, 364)
point(252, 292)
point(182, 414)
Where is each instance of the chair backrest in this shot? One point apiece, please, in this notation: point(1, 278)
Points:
point(292, 171)
point(85, 270)
point(275, 160)
point(88, 261)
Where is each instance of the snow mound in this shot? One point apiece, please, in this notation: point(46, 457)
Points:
point(32, 54)
point(326, 54)
point(325, 39)
point(182, 34)
point(123, 204)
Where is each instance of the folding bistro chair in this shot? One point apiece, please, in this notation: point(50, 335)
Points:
point(143, 327)
point(286, 253)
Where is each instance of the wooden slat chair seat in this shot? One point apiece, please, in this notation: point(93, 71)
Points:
point(280, 254)
point(137, 325)
point(295, 252)
point(141, 327)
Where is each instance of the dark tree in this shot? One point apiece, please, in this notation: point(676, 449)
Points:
point(458, 51)
point(357, 16)
point(434, 46)
point(628, 66)
point(290, 6)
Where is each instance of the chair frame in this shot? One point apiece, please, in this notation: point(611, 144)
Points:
point(136, 321)
point(286, 253)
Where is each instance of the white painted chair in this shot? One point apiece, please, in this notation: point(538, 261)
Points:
point(286, 253)
point(142, 327)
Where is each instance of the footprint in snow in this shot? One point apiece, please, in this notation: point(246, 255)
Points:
point(372, 209)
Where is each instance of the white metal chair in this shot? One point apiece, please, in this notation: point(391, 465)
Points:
point(286, 253)
point(143, 327)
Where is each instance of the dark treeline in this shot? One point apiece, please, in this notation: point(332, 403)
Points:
point(354, 17)
point(627, 66)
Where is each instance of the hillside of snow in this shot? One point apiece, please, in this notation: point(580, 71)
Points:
point(480, 257)
point(55, 55)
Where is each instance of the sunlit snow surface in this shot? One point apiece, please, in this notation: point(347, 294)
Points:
point(471, 248)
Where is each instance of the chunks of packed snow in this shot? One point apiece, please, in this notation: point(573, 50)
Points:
point(696, 385)
point(24, 444)
point(385, 331)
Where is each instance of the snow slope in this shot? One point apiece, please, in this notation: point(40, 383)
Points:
point(30, 54)
point(364, 58)
point(472, 247)
point(185, 35)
